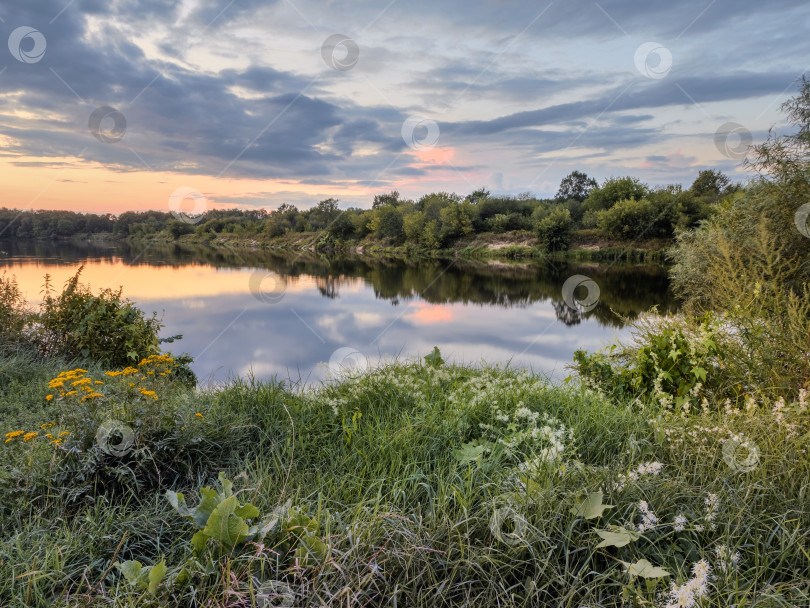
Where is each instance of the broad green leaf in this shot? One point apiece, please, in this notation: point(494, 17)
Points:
point(699, 373)
point(470, 452)
point(178, 501)
point(224, 526)
point(590, 507)
point(301, 523)
point(434, 358)
point(209, 499)
point(156, 574)
point(616, 537)
point(227, 485)
point(247, 511)
point(311, 550)
point(198, 542)
point(134, 573)
point(644, 569)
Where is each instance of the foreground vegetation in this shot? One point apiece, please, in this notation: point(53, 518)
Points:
point(670, 471)
point(432, 484)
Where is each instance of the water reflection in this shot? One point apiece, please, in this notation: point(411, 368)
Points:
point(490, 310)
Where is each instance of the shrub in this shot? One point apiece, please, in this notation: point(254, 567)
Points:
point(105, 328)
point(498, 222)
point(555, 230)
point(627, 219)
point(14, 315)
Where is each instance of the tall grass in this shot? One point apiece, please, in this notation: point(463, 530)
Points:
point(418, 501)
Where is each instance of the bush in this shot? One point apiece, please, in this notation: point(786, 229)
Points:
point(627, 219)
point(14, 314)
point(669, 362)
point(555, 230)
point(498, 223)
point(105, 328)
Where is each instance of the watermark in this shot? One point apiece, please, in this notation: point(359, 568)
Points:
point(274, 593)
point(347, 360)
point(25, 36)
point(420, 133)
point(741, 454)
point(802, 219)
point(267, 287)
point(176, 205)
point(733, 140)
point(115, 438)
point(569, 291)
point(653, 60)
point(340, 52)
point(111, 135)
point(508, 526)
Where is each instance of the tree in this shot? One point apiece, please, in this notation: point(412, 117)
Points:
point(341, 227)
point(457, 220)
point(414, 225)
point(576, 185)
point(380, 200)
point(388, 223)
point(710, 182)
point(178, 229)
point(614, 190)
point(477, 196)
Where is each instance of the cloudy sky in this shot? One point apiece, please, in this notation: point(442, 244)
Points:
point(108, 105)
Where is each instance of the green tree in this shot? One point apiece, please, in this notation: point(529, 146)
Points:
point(342, 227)
point(456, 220)
point(576, 185)
point(413, 226)
point(614, 190)
point(177, 228)
point(381, 200)
point(476, 196)
point(712, 183)
point(388, 223)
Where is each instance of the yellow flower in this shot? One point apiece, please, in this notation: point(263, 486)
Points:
point(70, 393)
point(148, 393)
point(63, 433)
point(80, 382)
point(12, 435)
point(48, 397)
point(57, 442)
point(199, 415)
point(29, 436)
point(98, 382)
point(49, 436)
point(132, 384)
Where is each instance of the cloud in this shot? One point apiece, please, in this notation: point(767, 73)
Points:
point(239, 89)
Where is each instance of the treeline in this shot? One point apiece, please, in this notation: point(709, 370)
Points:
point(620, 208)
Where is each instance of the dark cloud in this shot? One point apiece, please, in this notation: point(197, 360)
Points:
point(634, 96)
point(271, 120)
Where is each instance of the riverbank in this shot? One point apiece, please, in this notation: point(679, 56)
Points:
point(421, 483)
point(586, 245)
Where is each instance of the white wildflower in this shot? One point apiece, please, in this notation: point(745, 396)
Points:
point(648, 518)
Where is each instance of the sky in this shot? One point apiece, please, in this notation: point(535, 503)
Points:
point(114, 105)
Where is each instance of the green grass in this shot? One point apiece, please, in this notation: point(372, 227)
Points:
point(378, 461)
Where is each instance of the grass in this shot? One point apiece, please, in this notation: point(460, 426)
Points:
point(426, 483)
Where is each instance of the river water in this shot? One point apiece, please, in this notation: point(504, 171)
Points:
point(247, 312)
